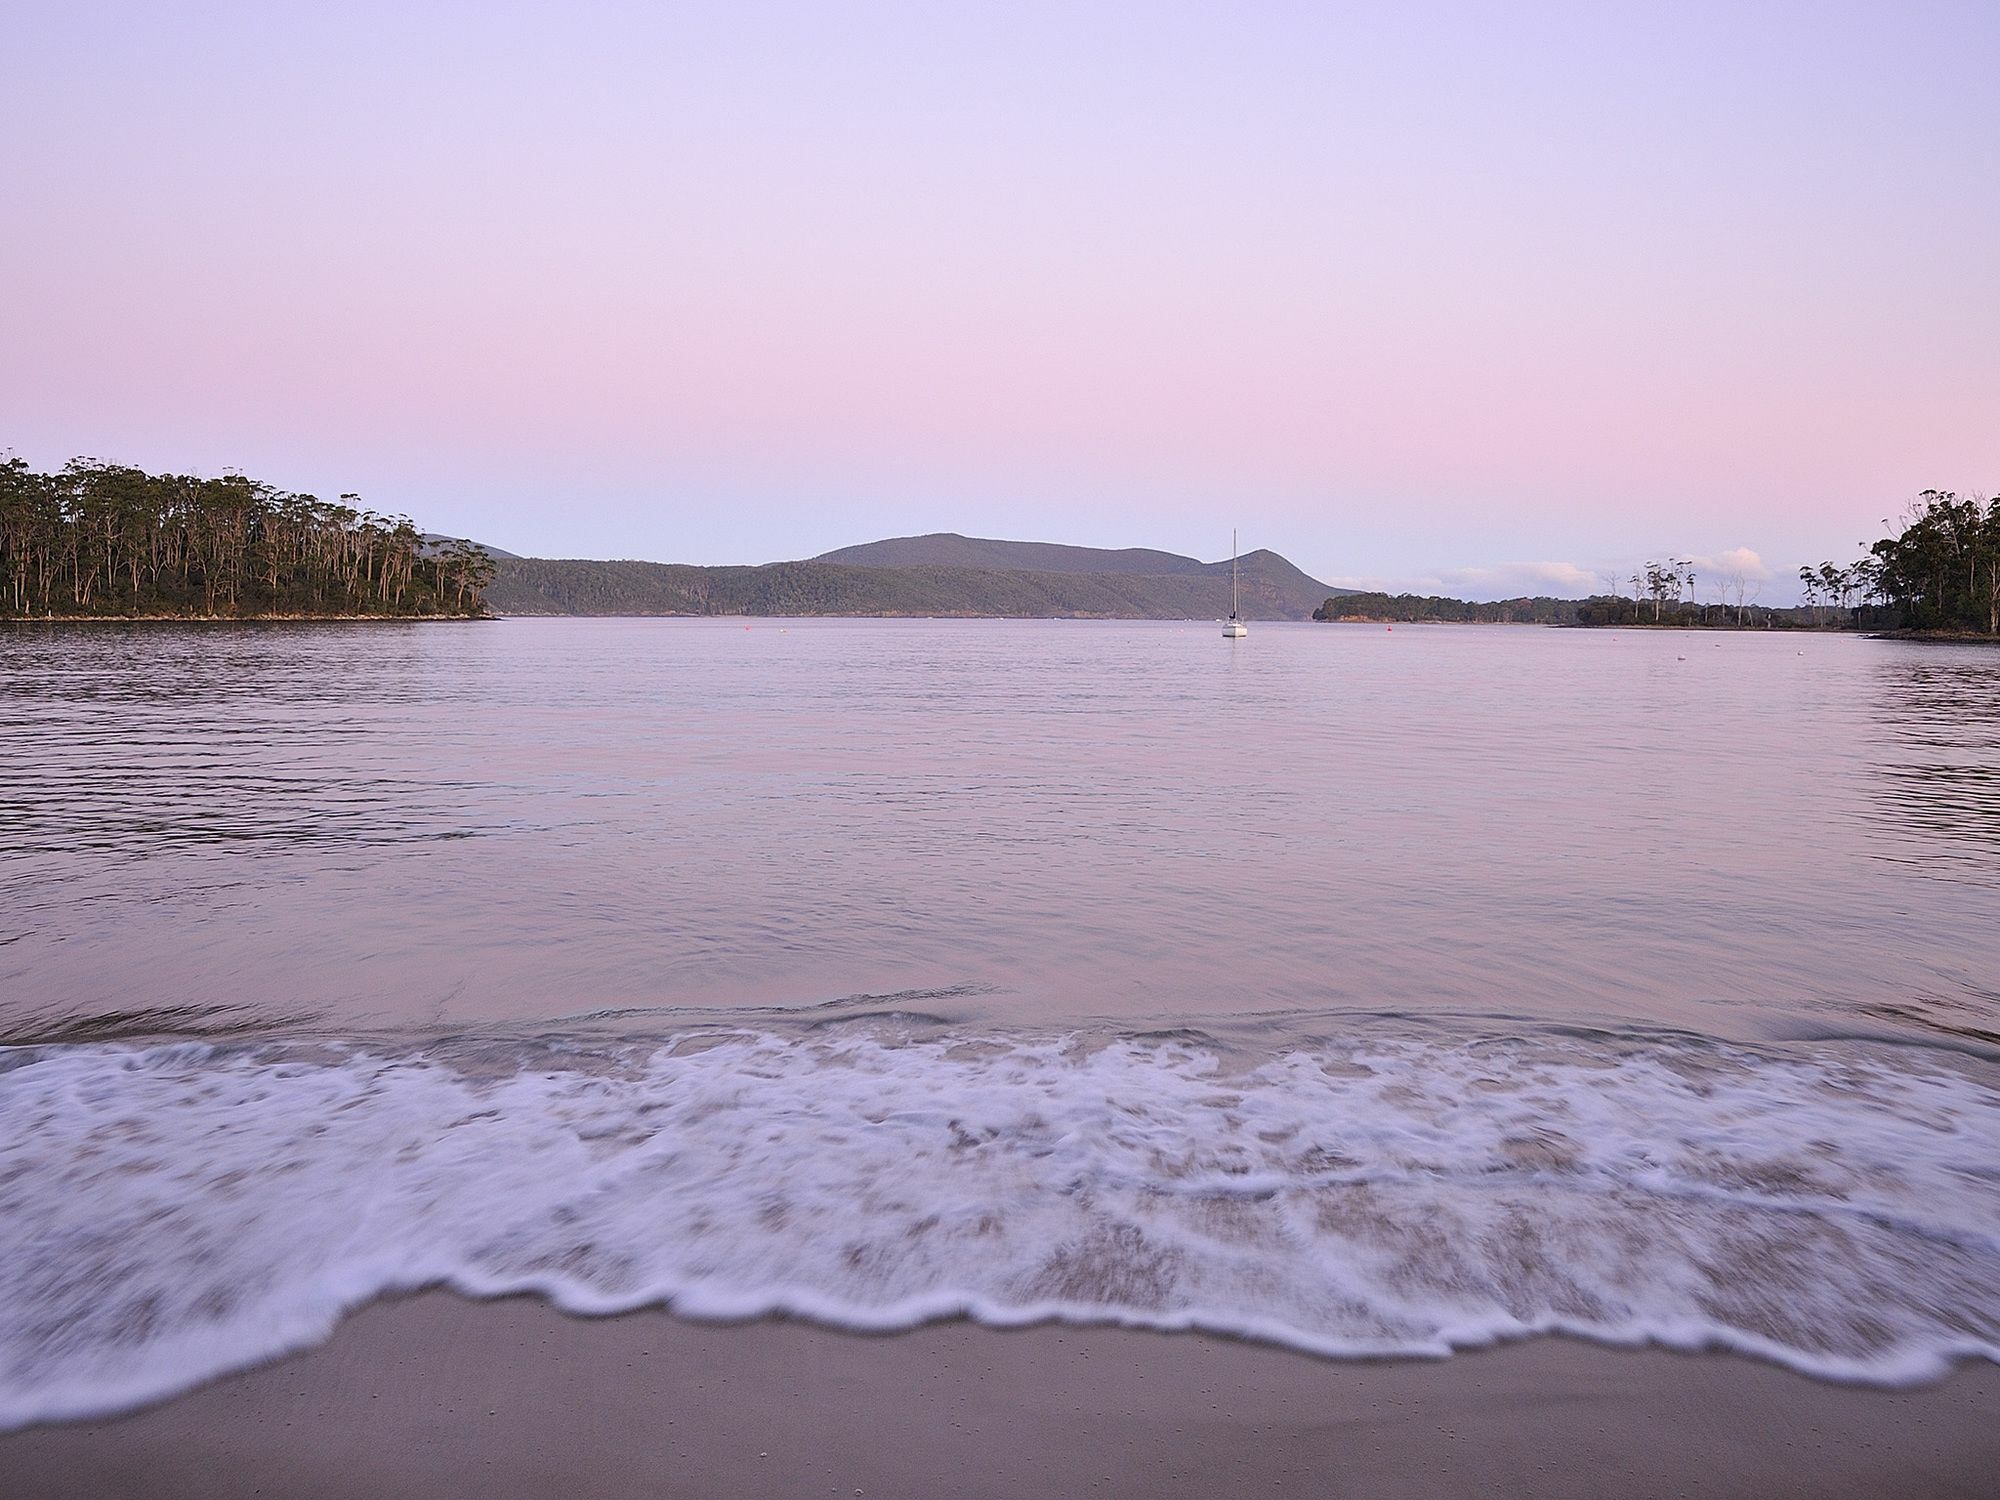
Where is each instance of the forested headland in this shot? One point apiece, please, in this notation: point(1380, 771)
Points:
point(1939, 573)
point(1417, 608)
point(1599, 609)
point(98, 540)
point(1077, 583)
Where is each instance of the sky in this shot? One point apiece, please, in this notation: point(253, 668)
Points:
point(1472, 297)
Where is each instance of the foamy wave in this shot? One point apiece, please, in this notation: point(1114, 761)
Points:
point(171, 1212)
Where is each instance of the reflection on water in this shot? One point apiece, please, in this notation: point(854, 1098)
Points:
point(1938, 772)
point(446, 825)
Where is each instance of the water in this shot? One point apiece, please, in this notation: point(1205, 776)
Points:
point(1368, 991)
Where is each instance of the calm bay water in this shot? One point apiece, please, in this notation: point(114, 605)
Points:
point(1369, 990)
point(446, 825)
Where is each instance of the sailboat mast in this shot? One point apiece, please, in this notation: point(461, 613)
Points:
point(1234, 628)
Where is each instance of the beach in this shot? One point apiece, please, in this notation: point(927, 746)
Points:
point(435, 1395)
point(967, 880)
point(588, 969)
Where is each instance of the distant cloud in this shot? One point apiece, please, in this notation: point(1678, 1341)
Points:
point(1736, 561)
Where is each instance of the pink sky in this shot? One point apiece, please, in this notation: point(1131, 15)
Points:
point(1417, 295)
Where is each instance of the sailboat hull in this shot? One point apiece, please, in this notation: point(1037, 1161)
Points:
point(1234, 628)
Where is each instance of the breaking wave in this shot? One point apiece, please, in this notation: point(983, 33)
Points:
point(169, 1212)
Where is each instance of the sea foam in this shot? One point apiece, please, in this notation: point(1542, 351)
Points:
point(171, 1212)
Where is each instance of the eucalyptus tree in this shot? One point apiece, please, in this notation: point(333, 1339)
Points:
point(106, 539)
point(1939, 570)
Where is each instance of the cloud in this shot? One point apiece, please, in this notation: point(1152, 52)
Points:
point(1736, 562)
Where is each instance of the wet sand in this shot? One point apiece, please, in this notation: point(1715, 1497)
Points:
point(438, 1396)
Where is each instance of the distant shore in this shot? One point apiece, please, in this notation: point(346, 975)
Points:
point(1953, 637)
point(434, 1395)
point(227, 619)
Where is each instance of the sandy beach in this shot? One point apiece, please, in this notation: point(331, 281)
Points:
point(438, 1396)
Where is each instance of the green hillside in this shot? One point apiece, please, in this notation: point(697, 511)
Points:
point(1271, 589)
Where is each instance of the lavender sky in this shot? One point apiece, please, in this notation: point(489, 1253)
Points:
point(1475, 297)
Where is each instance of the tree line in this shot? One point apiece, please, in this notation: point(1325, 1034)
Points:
point(1942, 570)
point(1939, 571)
point(1734, 612)
point(101, 539)
point(1417, 607)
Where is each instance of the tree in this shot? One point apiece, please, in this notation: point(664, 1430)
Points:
point(1939, 570)
point(1736, 592)
point(1662, 582)
point(105, 539)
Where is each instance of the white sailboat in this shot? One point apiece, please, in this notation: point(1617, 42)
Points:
point(1233, 628)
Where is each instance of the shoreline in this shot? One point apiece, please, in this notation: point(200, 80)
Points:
point(437, 1395)
point(234, 619)
point(1942, 637)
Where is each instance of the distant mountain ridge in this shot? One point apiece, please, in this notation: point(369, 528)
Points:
point(942, 574)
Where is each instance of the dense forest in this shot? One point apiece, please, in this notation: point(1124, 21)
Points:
point(1942, 570)
point(103, 540)
point(1414, 608)
point(1600, 609)
point(1939, 573)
